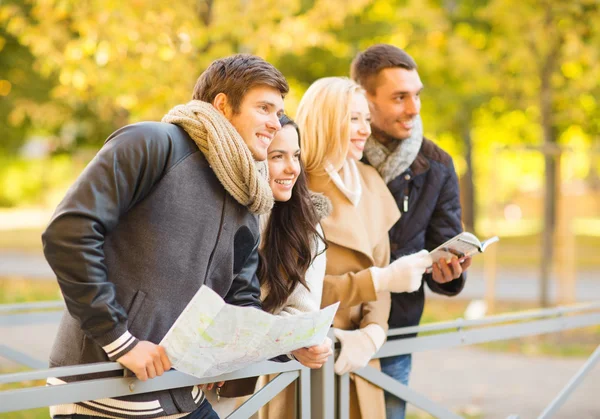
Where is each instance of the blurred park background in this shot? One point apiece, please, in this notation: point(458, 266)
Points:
point(511, 91)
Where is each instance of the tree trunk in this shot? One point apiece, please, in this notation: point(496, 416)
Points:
point(467, 185)
point(549, 62)
point(549, 226)
point(550, 182)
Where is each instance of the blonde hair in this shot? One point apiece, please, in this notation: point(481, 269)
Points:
point(323, 117)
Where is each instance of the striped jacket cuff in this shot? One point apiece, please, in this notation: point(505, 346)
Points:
point(120, 346)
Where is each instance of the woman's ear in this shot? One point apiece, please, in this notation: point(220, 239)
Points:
point(221, 104)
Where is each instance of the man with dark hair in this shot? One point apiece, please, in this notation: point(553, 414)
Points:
point(163, 209)
point(421, 177)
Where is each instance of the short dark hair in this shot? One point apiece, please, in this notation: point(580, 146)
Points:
point(235, 76)
point(367, 64)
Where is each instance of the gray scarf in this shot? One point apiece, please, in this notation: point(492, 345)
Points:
point(391, 164)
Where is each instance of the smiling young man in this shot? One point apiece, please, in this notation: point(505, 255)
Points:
point(422, 179)
point(161, 210)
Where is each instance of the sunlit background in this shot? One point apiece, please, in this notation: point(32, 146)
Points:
point(511, 91)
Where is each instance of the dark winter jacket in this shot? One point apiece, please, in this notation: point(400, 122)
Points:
point(144, 226)
point(428, 198)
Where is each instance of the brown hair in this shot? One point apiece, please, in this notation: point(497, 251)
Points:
point(235, 76)
point(367, 64)
point(289, 242)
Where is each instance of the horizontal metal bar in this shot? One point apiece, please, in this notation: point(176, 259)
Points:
point(60, 372)
point(265, 395)
point(482, 335)
point(404, 392)
point(29, 398)
point(21, 358)
point(500, 318)
point(40, 305)
point(571, 385)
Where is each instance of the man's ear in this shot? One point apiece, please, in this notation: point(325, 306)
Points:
point(221, 103)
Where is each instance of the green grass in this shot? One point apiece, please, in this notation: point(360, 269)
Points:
point(27, 414)
point(21, 290)
point(464, 413)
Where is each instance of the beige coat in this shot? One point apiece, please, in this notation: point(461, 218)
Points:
point(358, 239)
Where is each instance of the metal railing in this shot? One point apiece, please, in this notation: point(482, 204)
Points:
point(322, 394)
point(467, 332)
point(93, 389)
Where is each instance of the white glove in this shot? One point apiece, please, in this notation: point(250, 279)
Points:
point(358, 347)
point(403, 275)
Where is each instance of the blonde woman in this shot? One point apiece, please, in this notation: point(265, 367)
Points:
point(334, 119)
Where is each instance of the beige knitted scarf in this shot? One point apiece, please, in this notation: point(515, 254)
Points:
point(245, 179)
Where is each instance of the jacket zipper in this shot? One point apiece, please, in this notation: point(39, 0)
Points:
point(406, 193)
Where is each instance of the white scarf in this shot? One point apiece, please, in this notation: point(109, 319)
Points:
point(347, 180)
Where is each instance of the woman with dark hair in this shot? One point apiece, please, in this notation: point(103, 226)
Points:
point(292, 253)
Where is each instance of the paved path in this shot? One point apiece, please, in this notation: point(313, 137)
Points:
point(27, 265)
point(496, 385)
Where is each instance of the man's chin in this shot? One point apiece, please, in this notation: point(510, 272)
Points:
point(259, 154)
point(403, 134)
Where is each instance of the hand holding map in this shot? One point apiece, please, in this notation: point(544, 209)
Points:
point(211, 337)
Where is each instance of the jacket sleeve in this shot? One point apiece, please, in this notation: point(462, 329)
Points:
point(445, 223)
point(377, 311)
point(245, 288)
point(349, 289)
point(122, 173)
point(354, 288)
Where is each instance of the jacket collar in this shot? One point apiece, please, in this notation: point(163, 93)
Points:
point(421, 163)
point(413, 174)
point(355, 227)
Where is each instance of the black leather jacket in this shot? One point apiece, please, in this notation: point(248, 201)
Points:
point(143, 227)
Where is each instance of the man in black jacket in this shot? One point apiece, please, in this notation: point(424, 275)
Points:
point(422, 179)
point(163, 209)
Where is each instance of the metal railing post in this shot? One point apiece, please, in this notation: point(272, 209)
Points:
point(264, 395)
point(304, 393)
point(403, 392)
point(322, 391)
point(571, 385)
point(343, 399)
